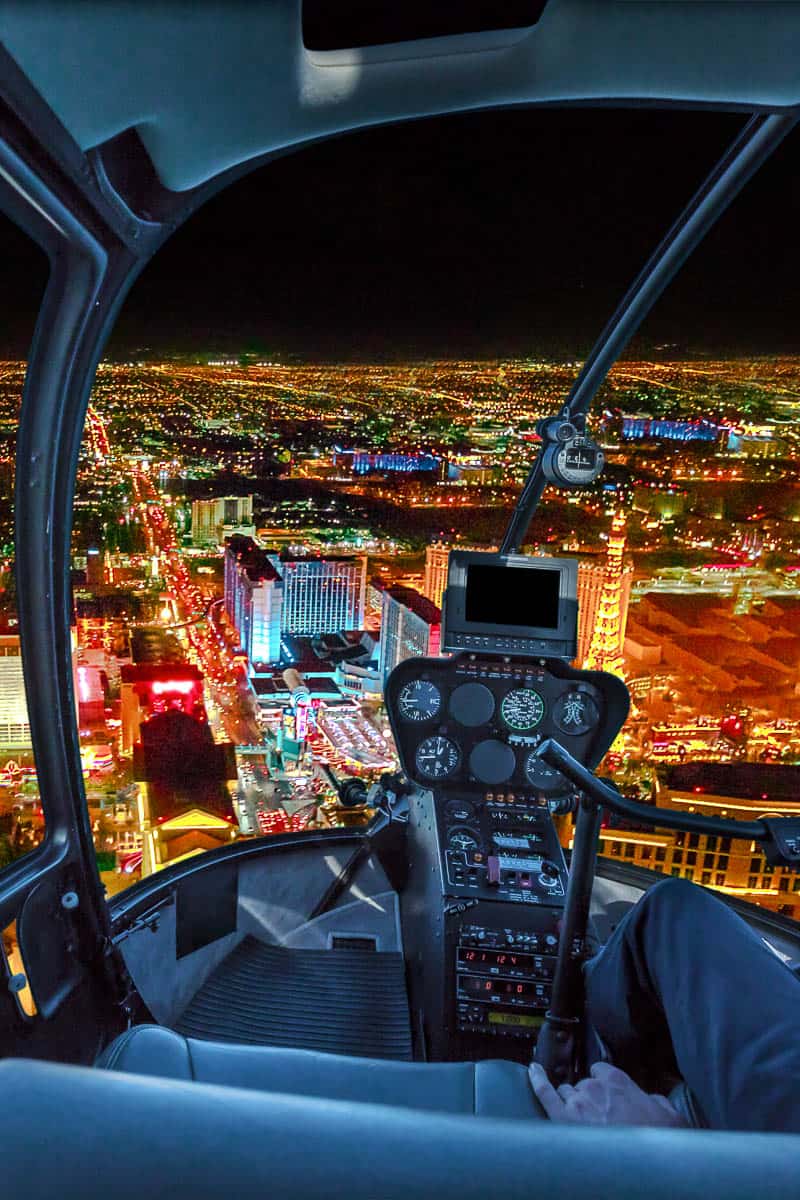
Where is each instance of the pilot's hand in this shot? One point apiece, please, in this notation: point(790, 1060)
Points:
point(608, 1097)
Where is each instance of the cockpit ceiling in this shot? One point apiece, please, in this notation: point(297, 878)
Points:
point(210, 84)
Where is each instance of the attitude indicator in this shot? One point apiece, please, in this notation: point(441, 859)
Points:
point(463, 839)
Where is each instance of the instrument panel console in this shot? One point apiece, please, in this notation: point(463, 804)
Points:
point(472, 721)
point(489, 880)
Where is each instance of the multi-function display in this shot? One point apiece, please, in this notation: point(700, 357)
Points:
point(517, 604)
point(503, 595)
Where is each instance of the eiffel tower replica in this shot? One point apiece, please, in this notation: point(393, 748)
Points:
point(605, 651)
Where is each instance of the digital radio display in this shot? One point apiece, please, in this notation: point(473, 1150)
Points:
point(497, 1017)
point(515, 990)
point(504, 960)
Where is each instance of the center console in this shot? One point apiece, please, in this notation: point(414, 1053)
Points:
point(487, 878)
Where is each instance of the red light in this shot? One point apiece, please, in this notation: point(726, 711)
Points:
point(184, 686)
point(698, 789)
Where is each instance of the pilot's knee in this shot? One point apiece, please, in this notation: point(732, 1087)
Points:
point(678, 895)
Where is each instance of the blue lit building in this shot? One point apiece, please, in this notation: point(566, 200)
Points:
point(254, 599)
point(322, 595)
point(363, 463)
point(637, 429)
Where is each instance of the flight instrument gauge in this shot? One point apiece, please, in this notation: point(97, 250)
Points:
point(437, 757)
point(522, 709)
point(463, 839)
point(419, 701)
point(573, 463)
point(544, 778)
point(575, 713)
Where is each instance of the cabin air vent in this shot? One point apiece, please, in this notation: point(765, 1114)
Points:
point(348, 24)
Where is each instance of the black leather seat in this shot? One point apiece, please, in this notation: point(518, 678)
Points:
point(490, 1089)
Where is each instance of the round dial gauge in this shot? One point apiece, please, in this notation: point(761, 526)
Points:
point(419, 701)
point(579, 461)
point(462, 839)
point(544, 778)
point(437, 757)
point(575, 713)
point(522, 709)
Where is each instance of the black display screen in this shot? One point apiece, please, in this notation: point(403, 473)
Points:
point(519, 596)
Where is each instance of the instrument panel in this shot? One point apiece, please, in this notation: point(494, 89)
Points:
point(473, 721)
point(501, 847)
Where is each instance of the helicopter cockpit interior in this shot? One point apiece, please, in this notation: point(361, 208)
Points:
point(329, 1012)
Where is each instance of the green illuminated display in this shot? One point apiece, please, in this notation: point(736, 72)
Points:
point(504, 1018)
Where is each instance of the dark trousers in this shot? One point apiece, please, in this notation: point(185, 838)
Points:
point(684, 989)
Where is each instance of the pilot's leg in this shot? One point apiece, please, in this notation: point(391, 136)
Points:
point(685, 987)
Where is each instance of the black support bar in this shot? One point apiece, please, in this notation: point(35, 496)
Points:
point(554, 754)
point(753, 146)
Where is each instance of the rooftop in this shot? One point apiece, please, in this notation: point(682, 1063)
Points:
point(741, 781)
point(415, 602)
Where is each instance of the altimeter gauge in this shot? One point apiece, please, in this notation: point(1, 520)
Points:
point(419, 701)
point(522, 709)
point(437, 757)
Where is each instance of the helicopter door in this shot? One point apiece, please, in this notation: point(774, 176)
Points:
point(62, 986)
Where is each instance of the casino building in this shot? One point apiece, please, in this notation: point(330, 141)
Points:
point(741, 791)
point(411, 625)
point(268, 596)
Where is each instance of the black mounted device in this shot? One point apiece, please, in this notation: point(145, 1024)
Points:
point(514, 604)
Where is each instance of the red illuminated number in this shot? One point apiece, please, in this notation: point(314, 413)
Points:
point(470, 955)
point(501, 958)
point(520, 989)
point(514, 959)
point(487, 987)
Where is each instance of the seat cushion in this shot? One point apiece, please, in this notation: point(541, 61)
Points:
point(494, 1088)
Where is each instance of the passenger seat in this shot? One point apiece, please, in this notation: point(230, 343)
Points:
point(494, 1088)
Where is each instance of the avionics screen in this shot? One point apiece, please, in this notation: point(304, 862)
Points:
point(515, 964)
point(512, 596)
point(497, 1017)
point(517, 990)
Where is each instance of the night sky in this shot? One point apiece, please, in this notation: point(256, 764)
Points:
point(499, 233)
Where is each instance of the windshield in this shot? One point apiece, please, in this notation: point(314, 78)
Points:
point(331, 376)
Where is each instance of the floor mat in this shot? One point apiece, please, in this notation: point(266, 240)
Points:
point(337, 1001)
